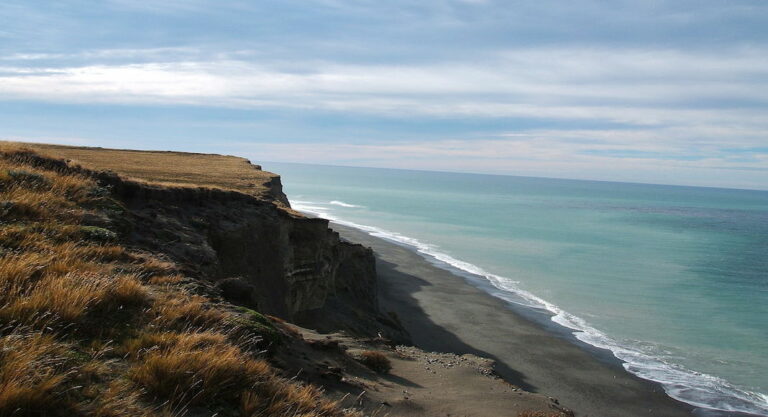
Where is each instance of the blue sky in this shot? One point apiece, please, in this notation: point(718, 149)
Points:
point(657, 91)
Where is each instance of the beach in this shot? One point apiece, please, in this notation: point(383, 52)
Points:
point(444, 313)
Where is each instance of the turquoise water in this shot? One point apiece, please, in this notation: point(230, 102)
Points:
point(673, 280)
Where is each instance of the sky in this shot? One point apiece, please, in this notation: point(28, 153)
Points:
point(670, 92)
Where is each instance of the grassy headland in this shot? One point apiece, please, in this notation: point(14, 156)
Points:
point(136, 284)
point(89, 326)
point(167, 168)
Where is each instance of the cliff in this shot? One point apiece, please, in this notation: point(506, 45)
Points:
point(237, 233)
point(259, 254)
point(129, 291)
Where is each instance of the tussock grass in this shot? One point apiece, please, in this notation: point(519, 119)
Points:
point(122, 399)
point(151, 266)
point(32, 370)
point(192, 368)
point(279, 398)
point(62, 286)
point(376, 361)
point(197, 367)
point(90, 327)
point(181, 310)
point(166, 279)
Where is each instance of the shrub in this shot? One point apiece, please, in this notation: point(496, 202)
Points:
point(376, 361)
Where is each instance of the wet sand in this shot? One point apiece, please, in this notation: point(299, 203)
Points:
point(444, 313)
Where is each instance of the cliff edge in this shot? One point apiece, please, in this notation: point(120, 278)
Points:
point(127, 290)
point(227, 222)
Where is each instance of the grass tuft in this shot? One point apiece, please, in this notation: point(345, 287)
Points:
point(181, 310)
point(195, 367)
point(376, 361)
point(32, 372)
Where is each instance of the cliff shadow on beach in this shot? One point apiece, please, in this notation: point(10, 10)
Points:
point(427, 334)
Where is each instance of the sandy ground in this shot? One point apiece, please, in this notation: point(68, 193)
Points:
point(420, 384)
point(444, 313)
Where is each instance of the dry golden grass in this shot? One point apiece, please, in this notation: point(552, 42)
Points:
point(88, 327)
point(61, 286)
point(122, 399)
point(153, 266)
point(31, 371)
point(193, 368)
point(376, 361)
point(166, 279)
point(167, 168)
point(180, 310)
point(279, 398)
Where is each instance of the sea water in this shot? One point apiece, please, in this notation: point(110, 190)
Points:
point(673, 280)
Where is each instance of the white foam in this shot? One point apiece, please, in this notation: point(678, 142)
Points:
point(343, 204)
point(700, 390)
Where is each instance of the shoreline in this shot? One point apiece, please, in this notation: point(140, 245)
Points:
point(530, 351)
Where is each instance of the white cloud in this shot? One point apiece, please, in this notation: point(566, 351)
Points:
point(666, 101)
point(535, 156)
point(638, 87)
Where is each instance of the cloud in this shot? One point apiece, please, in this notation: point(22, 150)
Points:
point(662, 112)
point(529, 86)
point(635, 86)
point(534, 156)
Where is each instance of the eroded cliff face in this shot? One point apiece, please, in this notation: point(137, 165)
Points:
point(259, 253)
point(252, 250)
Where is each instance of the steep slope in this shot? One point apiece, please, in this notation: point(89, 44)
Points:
point(93, 326)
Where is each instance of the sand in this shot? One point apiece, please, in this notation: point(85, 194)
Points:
point(419, 384)
point(444, 313)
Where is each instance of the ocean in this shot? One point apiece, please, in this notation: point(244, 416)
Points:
point(673, 280)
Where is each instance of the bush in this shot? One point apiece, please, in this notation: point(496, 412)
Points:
point(376, 361)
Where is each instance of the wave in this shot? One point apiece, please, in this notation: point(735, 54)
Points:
point(695, 388)
point(343, 204)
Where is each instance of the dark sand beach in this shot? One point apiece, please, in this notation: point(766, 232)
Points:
point(444, 313)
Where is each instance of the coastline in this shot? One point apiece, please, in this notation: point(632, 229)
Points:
point(445, 313)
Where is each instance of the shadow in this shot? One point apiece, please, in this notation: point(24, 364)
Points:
point(399, 380)
point(396, 286)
